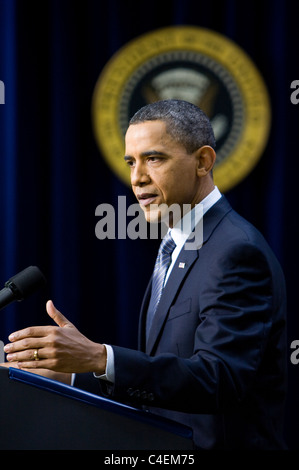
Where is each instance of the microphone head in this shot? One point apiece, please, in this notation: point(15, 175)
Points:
point(26, 282)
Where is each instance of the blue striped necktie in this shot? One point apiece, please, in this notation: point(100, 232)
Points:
point(162, 264)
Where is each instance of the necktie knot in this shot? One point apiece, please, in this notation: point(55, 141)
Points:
point(167, 245)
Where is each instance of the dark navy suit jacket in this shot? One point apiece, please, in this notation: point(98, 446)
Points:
point(216, 356)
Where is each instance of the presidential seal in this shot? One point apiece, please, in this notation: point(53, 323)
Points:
point(196, 65)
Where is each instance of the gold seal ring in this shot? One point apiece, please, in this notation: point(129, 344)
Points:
point(36, 358)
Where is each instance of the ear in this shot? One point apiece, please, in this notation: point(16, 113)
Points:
point(206, 157)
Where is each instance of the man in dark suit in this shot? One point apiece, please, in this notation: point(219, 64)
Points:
point(213, 354)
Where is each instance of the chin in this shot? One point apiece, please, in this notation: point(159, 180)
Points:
point(159, 216)
point(152, 217)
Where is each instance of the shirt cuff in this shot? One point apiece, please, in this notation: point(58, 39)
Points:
point(110, 371)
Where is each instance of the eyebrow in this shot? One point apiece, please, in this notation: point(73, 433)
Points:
point(148, 153)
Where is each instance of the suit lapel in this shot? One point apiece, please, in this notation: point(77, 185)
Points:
point(179, 272)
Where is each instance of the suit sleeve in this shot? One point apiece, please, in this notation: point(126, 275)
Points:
point(234, 323)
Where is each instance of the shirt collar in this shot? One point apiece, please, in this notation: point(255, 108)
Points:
point(181, 231)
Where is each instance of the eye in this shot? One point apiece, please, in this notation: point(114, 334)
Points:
point(130, 163)
point(154, 159)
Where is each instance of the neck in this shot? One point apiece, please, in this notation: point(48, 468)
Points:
point(174, 218)
point(205, 189)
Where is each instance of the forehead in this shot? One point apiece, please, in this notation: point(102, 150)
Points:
point(147, 133)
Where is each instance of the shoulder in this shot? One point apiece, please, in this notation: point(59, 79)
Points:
point(228, 227)
point(227, 234)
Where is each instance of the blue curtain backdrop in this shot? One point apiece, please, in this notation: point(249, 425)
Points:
point(52, 175)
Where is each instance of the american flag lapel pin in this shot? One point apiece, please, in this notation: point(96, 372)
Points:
point(182, 265)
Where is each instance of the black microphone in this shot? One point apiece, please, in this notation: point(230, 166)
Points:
point(21, 285)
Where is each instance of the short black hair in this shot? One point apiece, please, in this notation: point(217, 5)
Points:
point(185, 122)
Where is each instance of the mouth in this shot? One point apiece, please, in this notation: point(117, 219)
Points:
point(145, 199)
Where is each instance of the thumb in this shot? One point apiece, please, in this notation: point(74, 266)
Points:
point(57, 316)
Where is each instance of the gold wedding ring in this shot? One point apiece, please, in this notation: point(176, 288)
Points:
point(36, 358)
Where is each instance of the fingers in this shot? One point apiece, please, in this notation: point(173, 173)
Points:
point(57, 316)
point(25, 349)
point(32, 358)
point(31, 332)
point(28, 355)
point(24, 342)
point(55, 345)
point(41, 331)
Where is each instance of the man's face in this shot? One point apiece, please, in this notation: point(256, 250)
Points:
point(162, 172)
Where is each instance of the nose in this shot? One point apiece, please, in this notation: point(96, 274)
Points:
point(139, 175)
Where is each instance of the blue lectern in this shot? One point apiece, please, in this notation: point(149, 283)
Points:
point(38, 413)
